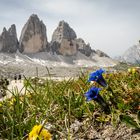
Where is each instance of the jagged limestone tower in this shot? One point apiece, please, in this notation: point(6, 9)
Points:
point(8, 40)
point(33, 37)
point(65, 41)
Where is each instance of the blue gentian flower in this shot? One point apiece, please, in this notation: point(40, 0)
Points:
point(97, 76)
point(92, 93)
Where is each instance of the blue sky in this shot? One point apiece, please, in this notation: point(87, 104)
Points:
point(109, 25)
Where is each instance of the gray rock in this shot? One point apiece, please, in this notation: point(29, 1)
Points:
point(101, 54)
point(83, 47)
point(8, 40)
point(63, 31)
point(132, 55)
point(33, 37)
point(63, 40)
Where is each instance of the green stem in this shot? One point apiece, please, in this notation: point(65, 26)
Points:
point(69, 117)
point(42, 127)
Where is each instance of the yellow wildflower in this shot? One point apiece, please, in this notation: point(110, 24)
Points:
point(129, 70)
point(12, 101)
point(133, 71)
point(0, 104)
point(29, 95)
point(44, 134)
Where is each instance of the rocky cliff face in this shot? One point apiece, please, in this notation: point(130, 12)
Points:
point(132, 55)
point(33, 37)
point(101, 54)
point(83, 47)
point(63, 31)
point(33, 40)
point(8, 40)
point(63, 40)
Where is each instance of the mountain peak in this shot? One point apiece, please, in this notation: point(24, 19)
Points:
point(12, 30)
point(64, 44)
point(8, 40)
point(63, 23)
point(63, 31)
point(34, 16)
point(33, 37)
point(4, 29)
point(132, 54)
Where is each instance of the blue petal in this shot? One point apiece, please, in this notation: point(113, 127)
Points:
point(92, 77)
point(89, 99)
point(101, 81)
point(92, 93)
point(97, 76)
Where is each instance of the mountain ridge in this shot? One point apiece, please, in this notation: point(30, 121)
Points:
point(64, 44)
point(131, 55)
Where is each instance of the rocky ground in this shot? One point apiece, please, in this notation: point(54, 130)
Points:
point(109, 132)
point(42, 71)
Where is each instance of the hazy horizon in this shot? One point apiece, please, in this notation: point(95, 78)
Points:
point(109, 25)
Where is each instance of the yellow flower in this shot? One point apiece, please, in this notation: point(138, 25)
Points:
point(29, 95)
point(44, 134)
point(129, 70)
point(133, 71)
point(0, 104)
point(12, 101)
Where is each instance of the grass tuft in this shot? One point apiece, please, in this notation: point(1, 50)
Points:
point(62, 105)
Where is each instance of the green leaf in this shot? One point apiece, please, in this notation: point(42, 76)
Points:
point(129, 121)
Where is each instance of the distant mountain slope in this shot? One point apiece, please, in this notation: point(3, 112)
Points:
point(132, 55)
point(51, 60)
